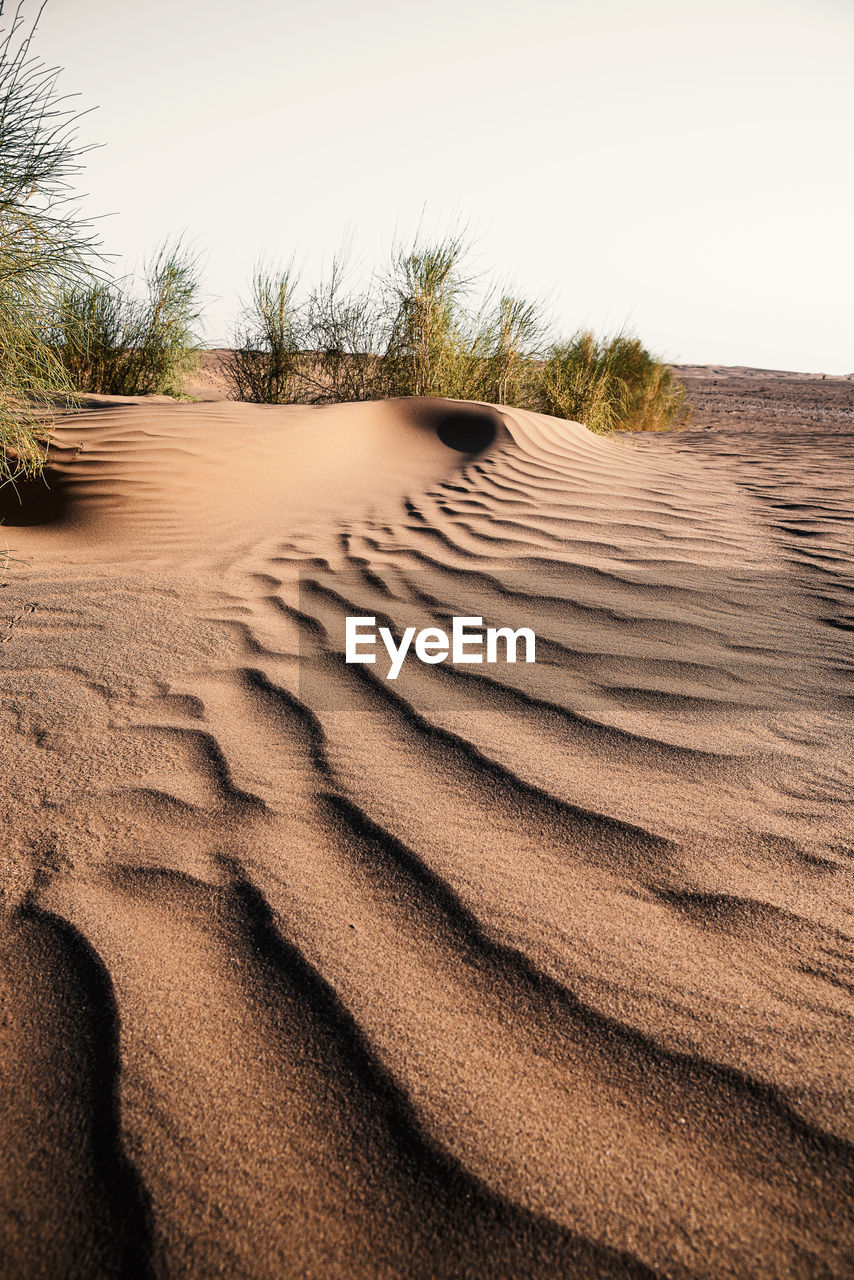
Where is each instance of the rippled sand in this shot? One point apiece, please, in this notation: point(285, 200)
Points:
point(512, 971)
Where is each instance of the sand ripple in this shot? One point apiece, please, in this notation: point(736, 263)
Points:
point(503, 972)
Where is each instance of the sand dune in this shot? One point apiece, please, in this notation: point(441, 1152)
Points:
point(519, 971)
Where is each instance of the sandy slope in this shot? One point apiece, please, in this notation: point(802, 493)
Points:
point(521, 971)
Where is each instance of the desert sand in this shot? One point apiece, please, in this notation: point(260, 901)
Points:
point(532, 971)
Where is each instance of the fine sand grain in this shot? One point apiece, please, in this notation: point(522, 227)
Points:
point(519, 971)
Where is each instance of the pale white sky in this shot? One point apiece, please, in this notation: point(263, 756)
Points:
point(683, 165)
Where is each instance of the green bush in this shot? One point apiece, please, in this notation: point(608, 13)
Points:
point(511, 336)
point(266, 362)
point(408, 332)
point(114, 339)
point(346, 331)
point(411, 332)
point(609, 384)
point(653, 398)
point(43, 246)
point(431, 347)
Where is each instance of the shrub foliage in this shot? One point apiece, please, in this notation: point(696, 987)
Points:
point(411, 331)
point(115, 338)
point(44, 246)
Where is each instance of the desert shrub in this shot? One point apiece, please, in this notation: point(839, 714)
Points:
point(577, 382)
point(411, 331)
point(511, 335)
point(320, 348)
point(437, 346)
point(116, 338)
point(43, 244)
point(609, 384)
point(168, 348)
point(346, 333)
point(264, 366)
point(407, 332)
point(431, 347)
point(653, 397)
point(89, 334)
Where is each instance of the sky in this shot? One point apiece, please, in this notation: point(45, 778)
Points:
point(684, 169)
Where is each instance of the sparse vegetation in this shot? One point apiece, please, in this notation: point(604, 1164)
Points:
point(411, 332)
point(44, 246)
point(609, 384)
point(432, 347)
point(512, 337)
point(266, 364)
point(347, 330)
point(408, 332)
point(577, 383)
point(653, 398)
point(120, 338)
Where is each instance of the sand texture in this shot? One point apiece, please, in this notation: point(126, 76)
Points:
point(520, 971)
